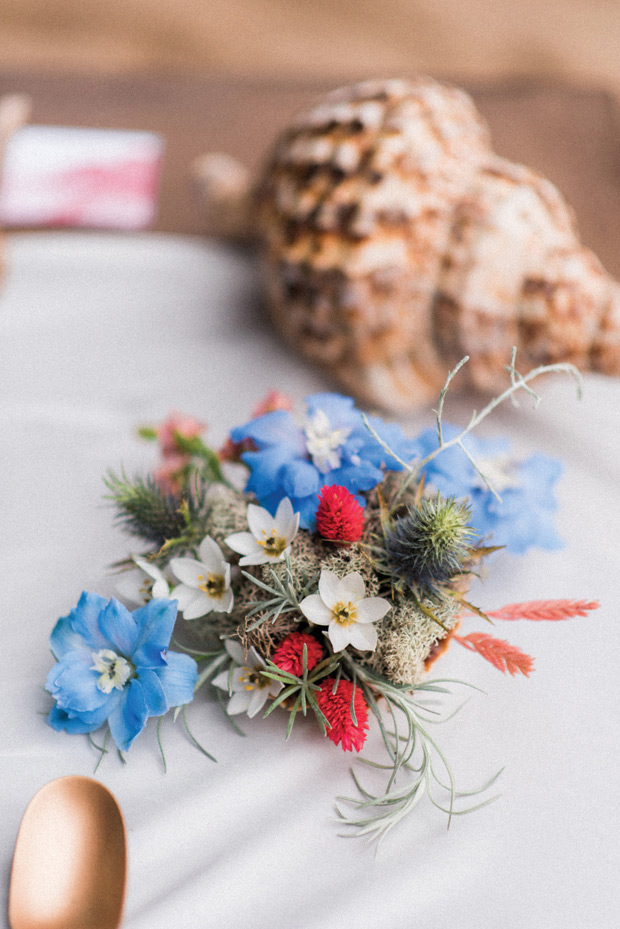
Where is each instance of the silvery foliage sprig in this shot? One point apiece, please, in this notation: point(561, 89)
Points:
point(282, 596)
point(411, 750)
point(299, 693)
point(517, 382)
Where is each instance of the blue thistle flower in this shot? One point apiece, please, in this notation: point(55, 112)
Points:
point(428, 546)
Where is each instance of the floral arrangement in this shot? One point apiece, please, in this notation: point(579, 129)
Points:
point(325, 588)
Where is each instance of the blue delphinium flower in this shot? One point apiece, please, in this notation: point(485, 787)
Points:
point(523, 519)
point(332, 447)
point(114, 666)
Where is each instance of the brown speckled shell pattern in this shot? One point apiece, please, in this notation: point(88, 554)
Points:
point(395, 242)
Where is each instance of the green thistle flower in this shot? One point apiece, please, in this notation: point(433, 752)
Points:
point(429, 546)
point(144, 509)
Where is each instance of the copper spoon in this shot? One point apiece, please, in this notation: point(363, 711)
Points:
point(70, 862)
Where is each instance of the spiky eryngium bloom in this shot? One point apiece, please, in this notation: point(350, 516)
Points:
point(424, 550)
point(145, 509)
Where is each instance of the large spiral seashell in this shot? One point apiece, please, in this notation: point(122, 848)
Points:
point(394, 242)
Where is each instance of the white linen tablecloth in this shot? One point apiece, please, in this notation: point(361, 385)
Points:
point(99, 333)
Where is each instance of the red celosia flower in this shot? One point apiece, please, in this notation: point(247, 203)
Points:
point(339, 516)
point(336, 708)
point(289, 654)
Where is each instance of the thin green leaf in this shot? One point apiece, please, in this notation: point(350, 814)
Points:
point(291, 719)
point(161, 748)
point(193, 738)
point(282, 696)
point(230, 720)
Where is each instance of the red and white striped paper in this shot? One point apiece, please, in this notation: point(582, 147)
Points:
point(87, 178)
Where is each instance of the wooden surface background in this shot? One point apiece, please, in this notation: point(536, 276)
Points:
point(477, 39)
point(226, 76)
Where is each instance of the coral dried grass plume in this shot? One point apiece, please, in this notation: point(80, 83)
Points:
point(501, 654)
point(545, 610)
point(395, 241)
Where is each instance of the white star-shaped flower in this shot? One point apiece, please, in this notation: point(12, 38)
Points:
point(324, 443)
point(249, 689)
point(269, 538)
point(342, 605)
point(205, 583)
point(143, 583)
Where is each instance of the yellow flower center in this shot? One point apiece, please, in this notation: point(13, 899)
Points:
point(273, 544)
point(146, 589)
point(344, 614)
point(214, 586)
point(252, 678)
